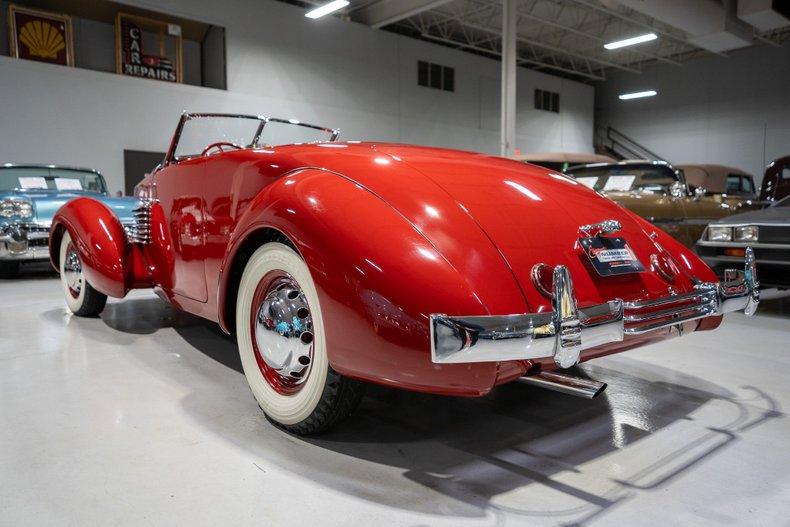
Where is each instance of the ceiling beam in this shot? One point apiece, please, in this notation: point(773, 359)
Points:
point(386, 12)
point(556, 49)
point(521, 59)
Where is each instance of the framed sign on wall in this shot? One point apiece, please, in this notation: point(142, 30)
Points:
point(40, 35)
point(148, 48)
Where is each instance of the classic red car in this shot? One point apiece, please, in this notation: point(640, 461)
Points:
point(340, 263)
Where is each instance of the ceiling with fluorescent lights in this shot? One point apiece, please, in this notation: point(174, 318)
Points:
point(567, 37)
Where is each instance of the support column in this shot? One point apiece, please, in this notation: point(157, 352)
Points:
point(508, 120)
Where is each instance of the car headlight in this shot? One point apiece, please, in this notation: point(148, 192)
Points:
point(6, 208)
point(748, 233)
point(16, 207)
point(719, 234)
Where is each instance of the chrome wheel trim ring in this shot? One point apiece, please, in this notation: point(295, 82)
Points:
point(282, 331)
point(72, 271)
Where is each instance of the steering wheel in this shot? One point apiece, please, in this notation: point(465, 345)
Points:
point(220, 145)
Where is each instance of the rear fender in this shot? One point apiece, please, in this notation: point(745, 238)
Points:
point(377, 277)
point(110, 264)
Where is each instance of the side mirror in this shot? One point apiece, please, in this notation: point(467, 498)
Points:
point(698, 193)
point(677, 190)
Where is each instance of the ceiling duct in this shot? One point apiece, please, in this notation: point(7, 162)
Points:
point(708, 24)
point(765, 15)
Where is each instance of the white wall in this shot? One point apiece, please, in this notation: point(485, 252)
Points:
point(732, 111)
point(279, 63)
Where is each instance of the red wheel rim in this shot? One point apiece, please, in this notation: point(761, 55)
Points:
point(281, 332)
point(72, 271)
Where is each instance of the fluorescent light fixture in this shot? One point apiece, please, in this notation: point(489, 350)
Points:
point(326, 9)
point(637, 95)
point(631, 41)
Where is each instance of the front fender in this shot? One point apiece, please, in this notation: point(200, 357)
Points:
point(108, 261)
point(377, 277)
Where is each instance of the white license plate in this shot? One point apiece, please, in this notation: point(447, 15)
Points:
point(614, 255)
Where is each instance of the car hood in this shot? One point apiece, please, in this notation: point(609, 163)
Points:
point(47, 203)
point(767, 215)
point(464, 202)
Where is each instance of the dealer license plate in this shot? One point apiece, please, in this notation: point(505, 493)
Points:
point(611, 256)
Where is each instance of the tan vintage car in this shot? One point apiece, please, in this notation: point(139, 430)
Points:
point(727, 184)
point(561, 161)
point(658, 193)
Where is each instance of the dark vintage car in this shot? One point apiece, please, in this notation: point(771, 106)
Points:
point(776, 180)
point(29, 197)
point(767, 231)
point(657, 192)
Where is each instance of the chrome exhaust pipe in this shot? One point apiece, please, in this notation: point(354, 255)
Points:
point(568, 384)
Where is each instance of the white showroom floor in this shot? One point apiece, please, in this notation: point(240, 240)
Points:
point(142, 417)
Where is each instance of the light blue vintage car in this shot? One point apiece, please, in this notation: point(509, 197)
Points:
point(29, 197)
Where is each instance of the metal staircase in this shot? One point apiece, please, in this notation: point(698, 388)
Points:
point(612, 142)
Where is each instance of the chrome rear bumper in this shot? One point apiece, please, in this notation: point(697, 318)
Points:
point(565, 331)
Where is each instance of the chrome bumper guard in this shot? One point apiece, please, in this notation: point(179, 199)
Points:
point(565, 331)
point(20, 241)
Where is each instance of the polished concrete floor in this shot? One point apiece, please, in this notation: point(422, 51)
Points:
point(142, 417)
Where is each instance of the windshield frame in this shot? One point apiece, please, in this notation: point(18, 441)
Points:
point(171, 158)
point(93, 171)
point(677, 175)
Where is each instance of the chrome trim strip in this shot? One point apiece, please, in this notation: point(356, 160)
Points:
point(565, 331)
point(743, 245)
point(682, 221)
point(754, 223)
point(733, 259)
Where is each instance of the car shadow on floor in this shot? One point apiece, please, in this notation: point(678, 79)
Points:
point(472, 457)
point(30, 271)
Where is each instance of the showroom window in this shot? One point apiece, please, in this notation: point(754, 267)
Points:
point(547, 100)
point(435, 76)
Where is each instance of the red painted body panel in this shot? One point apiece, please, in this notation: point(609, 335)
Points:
point(110, 264)
point(391, 234)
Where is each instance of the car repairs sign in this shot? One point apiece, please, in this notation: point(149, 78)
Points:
point(148, 48)
point(611, 256)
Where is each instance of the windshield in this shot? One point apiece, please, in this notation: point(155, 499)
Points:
point(205, 134)
point(624, 178)
point(46, 178)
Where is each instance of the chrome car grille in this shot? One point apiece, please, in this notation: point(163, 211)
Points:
point(140, 230)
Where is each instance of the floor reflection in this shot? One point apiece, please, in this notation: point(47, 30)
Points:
point(521, 450)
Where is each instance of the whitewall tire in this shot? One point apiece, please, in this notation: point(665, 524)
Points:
point(281, 338)
point(81, 298)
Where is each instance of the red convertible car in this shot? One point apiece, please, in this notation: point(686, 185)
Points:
point(341, 263)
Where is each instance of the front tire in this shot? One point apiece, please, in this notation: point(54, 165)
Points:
point(83, 300)
point(282, 343)
point(9, 269)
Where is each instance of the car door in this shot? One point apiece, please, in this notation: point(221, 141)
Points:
point(179, 191)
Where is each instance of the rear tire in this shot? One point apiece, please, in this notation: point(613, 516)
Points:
point(282, 344)
point(83, 300)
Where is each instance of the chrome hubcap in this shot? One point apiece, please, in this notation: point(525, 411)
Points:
point(284, 332)
point(72, 271)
